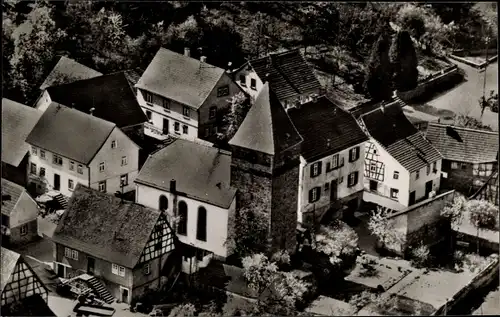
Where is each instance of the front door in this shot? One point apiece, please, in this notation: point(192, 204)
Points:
point(333, 191)
point(60, 270)
point(165, 126)
point(412, 198)
point(428, 188)
point(57, 182)
point(90, 265)
point(373, 185)
point(124, 295)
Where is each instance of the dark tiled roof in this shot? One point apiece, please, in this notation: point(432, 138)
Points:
point(67, 71)
point(180, 78)
point(70, 133)
point(289, 73)
point(111, 96)
point(463, 144)
point(14, 191)
point(321, 120)
point(103, 226)
point(197, 169)
point(17, 122)
point(9, 260)
point(267, 127)
point(390, 127)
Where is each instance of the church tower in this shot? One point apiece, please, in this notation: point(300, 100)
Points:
point(265, 168)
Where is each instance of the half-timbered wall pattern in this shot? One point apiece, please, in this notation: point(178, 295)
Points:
point(374, 168)
point(160, 242)
point(22, 284)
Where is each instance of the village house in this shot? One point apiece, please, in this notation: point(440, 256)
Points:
point(401, 165)
point(331, 160)
point(191, 181)
point(108, 97)
point(17, 122)
point(70, 147)
point(469, 156)
point(22, 291)
point(123, 245)
point(289, 75)
point(19, 215)
point(265, 168)
point(182, 96)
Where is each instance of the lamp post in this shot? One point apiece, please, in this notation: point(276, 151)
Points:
point(483, 106)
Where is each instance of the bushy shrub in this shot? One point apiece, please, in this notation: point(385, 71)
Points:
point(421, 256)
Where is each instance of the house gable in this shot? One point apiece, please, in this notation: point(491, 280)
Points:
point(160, 242)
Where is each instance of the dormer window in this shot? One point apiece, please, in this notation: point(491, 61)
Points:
point(148, 97)
point(166, 104)
point(223, 91)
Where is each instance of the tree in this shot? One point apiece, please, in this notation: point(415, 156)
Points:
point(250, 233)
point(185, 310)
point(384, 230)
point(404, 61)
point(34, 50)
point(454, 210)
point(378, 77)
point(490, 102)
point(483, 214)
point(462, 120)
point(338, 241)
point(231, 118)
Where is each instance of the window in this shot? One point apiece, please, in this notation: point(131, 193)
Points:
point(428, 169)
point(148, 114)
point(201, 232)
point(434, 167)
point(353, 179)
point(117, 270)
point(34, 150)
point(243, 80)
point(454, 165)
point(327, 187)
point(101, 167)
point(394, 193)
point(102, 186)
point(417, 174)
point(113, 144)
point(70, 253)
point(67, 252)
point(80, 169)
point(354, 154)
point(335, 163)
point(56, 159)
point(166, 104)
point(341, 179)
point(395, 175)
point(71, 165)
point(373, 185)
point(42, 154)
point(373, 167)
point(71, 185)
point(182, 225)
point(185, 129)
point(212, 112)
point(253, 84)
point(463, 166)
point(176, 126)
point(163, 203)
point(315, 169)
point(147, 268)
point(33, 168)
point(214, 129)
point(314, 194)
point(223, 91)
point(124, 180)
point(148, 97)
point(74, 254)
point(42, 171)
point(24, 229)
point(186, 111)
point(124, 160)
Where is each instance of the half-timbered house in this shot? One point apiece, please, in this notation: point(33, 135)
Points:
point(124, 245)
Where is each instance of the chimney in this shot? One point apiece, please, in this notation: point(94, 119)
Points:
point(187, 52)
point(92, 111)
point(173, 186)
point(228, 70)
point(203, 59)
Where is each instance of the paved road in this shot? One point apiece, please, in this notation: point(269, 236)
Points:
point(464, 97)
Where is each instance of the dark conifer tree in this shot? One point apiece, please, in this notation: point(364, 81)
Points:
point(404, 62)
point(378, 77)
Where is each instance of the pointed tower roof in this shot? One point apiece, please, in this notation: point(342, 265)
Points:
point(267, 127)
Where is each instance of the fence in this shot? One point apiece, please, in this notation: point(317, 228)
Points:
point(473, 64)
point(462, 53)
point(432, 83)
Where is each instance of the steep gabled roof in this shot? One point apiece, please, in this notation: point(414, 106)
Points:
point(67, 71)
point(111, 96)
point(70, 133)
point(267, 127)
point(9, 261)
point(326, 128)
point(390, 127)
point(180, 78)
point(288, 73)
point(201, 172)
point(463, 144)
point(106, 227)
point(17, 122)
point(14, 191)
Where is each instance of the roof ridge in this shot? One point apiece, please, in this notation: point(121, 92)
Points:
point(463, 128)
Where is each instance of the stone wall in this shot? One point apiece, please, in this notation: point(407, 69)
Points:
point(462, 53)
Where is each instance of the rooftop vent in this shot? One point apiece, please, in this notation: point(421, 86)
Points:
point(187, 52)
point(92, 111)
point(203, 59)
